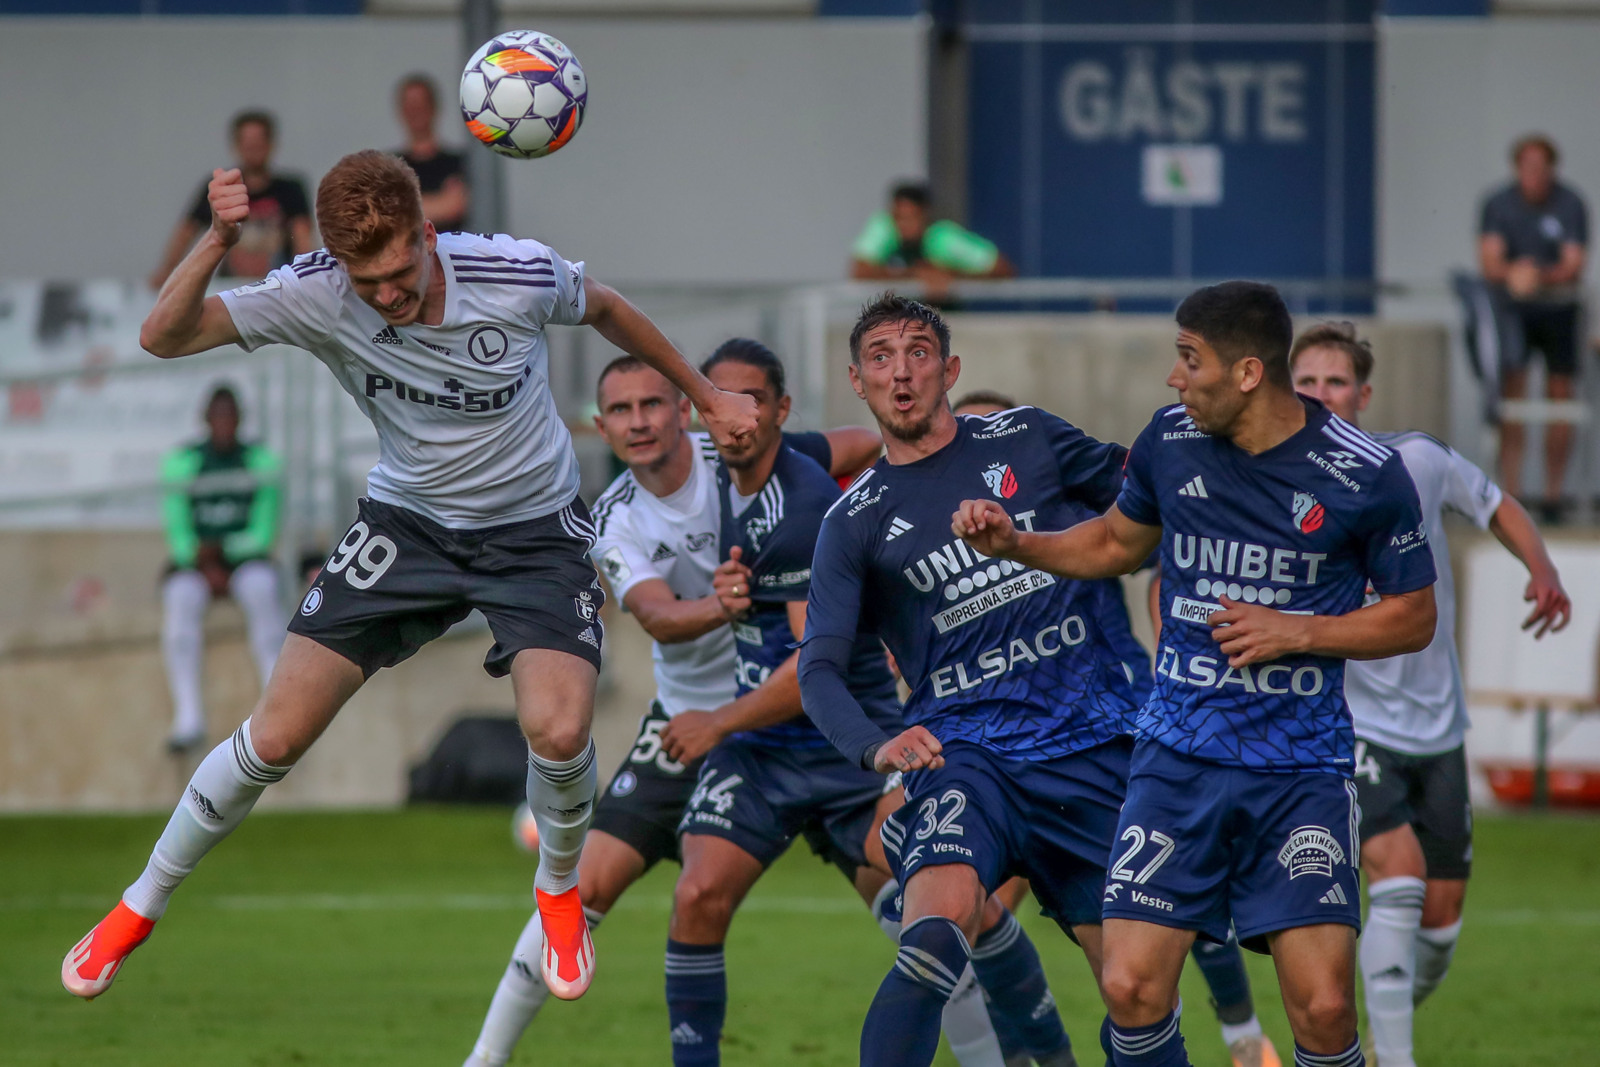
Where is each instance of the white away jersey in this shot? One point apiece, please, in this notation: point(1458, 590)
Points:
point(674, 538)
point(1414, 703)
point(468, 433)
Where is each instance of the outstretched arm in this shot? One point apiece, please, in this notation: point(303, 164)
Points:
point(1101, 547)
point(185, 320)
point(855, 448)
point(691, 734)
point(1552, 609)
point(1395, 625)
point(729, 416)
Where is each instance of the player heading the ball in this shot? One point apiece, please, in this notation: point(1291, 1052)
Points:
point(1240, 805)
point(473, 504)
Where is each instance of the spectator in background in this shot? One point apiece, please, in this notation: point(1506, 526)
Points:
point(441, 174)
point(221, 514)
point(982, 402)
point(279, 226)
point(1532, 245)
point(903, 242)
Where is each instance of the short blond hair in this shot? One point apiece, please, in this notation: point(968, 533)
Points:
point(367, 199)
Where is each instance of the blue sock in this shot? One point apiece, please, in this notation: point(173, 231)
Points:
point(1223, 968)
point(697, 1003)
point(1350, 1057)
point(902, 1027)
point(1157, 1045)
point(1020, 1004)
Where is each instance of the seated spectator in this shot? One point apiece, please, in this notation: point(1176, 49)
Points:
point(279, 226)
point(442, 175)
point(221, 514)
point(982, 402)
point(1531, 247)
point(903, 242)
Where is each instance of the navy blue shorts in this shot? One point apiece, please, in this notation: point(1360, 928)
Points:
point(1202, 844)
point(1051, 822)
point(761, 797)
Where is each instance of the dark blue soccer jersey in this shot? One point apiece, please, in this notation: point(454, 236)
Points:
point(1029, 665)
point(1301, 527)
point(777, 533)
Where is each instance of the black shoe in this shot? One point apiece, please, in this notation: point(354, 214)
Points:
point(178, 744)
point(1552, 512)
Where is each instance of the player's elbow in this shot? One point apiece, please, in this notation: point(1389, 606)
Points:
point(1421, 619)
point(154, 341)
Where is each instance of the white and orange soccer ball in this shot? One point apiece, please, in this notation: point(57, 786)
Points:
point(523, 94)
point(524, 831)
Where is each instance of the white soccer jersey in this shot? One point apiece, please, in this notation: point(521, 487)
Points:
point(1414, 703)
point(468, 433)
point(674, 538)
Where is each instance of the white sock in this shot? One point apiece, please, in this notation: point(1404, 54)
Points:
point(255, 586)
point(518, 998)
point(1389, 965)
point(224, 788)
point(561, 795)
point(1232, 1032)
point(966, 1021)
point(1435, 949)
point(184, 596)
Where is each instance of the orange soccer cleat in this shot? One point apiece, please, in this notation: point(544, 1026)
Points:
point(567, 961)
point(94, 962)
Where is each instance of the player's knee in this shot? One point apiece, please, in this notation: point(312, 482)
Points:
point(702, 902)
point(563, 739)
point(1329, 1014)
point(1131, 996)
point(276, 747)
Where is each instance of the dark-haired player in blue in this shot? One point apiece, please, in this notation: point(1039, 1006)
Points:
point(1023, 686)
point(1240, 802)
point(773, 776)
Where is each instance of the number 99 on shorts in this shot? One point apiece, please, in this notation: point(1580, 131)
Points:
point(362, 556)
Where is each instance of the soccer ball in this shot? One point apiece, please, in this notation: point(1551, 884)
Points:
point(523, 94)
point(524, 831)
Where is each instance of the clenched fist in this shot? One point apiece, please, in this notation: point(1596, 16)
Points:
point(230, 204)
point(985, 526)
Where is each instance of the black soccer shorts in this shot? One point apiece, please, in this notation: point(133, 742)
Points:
point(647, 795)
point(1428, 793)
point(397, 580)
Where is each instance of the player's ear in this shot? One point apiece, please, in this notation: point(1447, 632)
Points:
point(430, 236)
point(855, 379)
point(784, 403)
point(952, 371)
point(685, 413)
point(1249, 373)
point(1364, 396)
point(598, 425)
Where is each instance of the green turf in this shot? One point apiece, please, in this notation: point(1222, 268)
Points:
point(377, 938)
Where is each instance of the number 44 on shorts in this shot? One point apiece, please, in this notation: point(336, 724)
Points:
point(718, 794)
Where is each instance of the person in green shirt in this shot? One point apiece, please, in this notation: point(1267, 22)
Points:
point(220, 510)
point(903, 242)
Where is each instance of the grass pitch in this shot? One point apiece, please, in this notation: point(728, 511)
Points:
point(356, 939)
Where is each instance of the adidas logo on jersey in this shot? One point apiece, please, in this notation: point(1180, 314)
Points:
point(1334, 896)
point(388, 336)
point(662, 553)
point(897, 526)
point(1195, 488)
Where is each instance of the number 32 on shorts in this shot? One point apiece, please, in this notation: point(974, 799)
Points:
point(362, 556)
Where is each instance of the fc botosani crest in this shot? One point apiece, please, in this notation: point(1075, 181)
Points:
point(1311, 850)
